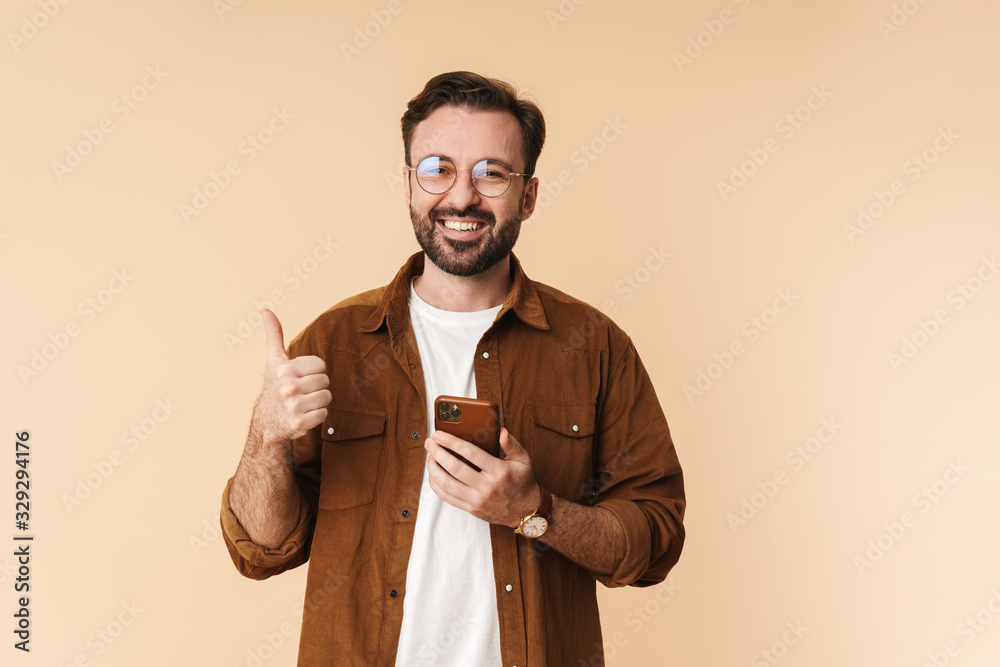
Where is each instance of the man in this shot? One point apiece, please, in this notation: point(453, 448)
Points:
point(416, 557)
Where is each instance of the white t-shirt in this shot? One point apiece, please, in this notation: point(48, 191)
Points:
point(450, 609)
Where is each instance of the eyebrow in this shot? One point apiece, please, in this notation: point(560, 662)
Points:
point(448, 157)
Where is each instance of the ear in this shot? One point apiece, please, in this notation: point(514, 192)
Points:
point(530, 197)
point(406, 184)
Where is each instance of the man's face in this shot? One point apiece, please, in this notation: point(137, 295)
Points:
point(465, 137)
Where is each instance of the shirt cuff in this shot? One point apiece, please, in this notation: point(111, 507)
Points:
point(638, 543)
point(257, 561)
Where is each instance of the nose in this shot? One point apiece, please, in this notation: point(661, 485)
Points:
point(462, 194)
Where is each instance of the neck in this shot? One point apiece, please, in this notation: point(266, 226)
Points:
point(464, 293)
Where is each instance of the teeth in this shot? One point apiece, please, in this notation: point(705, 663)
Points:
point(462, 226)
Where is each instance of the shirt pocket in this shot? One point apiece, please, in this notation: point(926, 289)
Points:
point(352, 445)
point(562, 446)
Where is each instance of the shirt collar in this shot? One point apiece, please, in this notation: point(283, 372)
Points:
point(393, 309)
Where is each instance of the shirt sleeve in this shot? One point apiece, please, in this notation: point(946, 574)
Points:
point(259, 562)
point(638, 474)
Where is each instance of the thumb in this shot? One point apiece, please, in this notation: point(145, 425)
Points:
point(273, 335)
point(512, 448)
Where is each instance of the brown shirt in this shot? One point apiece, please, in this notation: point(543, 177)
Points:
point(571, 389)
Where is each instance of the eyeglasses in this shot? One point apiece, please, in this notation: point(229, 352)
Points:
point(490, 178)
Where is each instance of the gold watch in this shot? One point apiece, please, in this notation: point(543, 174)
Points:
point(535, 524)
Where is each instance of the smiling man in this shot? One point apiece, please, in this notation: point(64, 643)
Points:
point(416, 557)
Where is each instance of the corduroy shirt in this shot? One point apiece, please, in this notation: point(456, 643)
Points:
point(570, 387)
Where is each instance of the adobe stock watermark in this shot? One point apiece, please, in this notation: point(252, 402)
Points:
point(121, 109)
point(431, 649)
point(270, 644)
point(701, 41)
point(293, 277)
point(563, 11)
point(418, 151)
point(363, 35)
point(273, 641)
point(254, 144)
point(751, 330)
point(635, 620)
point(225, 7)
point(131, 439)
point(374, 363)
point(927, 329)
point(772, 655)
point(590, 490)
point(582, 158)
point(796, 458)
point(101, 639)
point(8, 569)
point(923, 502)
point(787, 126)
point(913, 167)
point(548, 190)
point(899, 16)
point(42, 357)
point(628, 286)
point(32, 24)
point(211, 532)
point(967, 630)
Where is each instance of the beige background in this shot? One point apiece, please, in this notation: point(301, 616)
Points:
point(140, 546)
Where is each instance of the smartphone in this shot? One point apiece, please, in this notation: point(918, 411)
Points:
point(471, 419)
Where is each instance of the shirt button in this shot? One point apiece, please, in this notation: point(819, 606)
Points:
point(575, 428)
point(486, 355)
point(413, 365)
point(508, 588)
point(330, 431)
point(393, 593)
point(406, 512)
point(414, 435)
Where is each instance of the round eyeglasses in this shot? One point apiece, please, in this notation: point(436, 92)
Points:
point(490, 178)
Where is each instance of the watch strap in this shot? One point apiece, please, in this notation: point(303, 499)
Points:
point(545, 506)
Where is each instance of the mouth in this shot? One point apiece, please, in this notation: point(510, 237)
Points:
point(461, 228)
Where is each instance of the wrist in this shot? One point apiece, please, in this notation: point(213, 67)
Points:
point(536, 523)
point(265, 446)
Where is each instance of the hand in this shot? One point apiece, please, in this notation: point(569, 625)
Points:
point(295, 393)
point(503, 492)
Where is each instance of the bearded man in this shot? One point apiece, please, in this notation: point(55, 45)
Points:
point(415, 556)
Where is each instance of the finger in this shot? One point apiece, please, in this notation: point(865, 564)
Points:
point(314, 418)
point(310, 383)
point(449, 462)
point(315, 400)
point(273, 335)
point(445, 485)
point(463, 448)
point(450, 441)
point(309, 365)
point(512, 448)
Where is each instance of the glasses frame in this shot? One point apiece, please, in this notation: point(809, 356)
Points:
point(457, 169)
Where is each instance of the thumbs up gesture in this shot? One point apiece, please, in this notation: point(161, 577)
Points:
point(295, 392)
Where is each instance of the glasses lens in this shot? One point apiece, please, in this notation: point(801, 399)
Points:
point(491, 178)
point(436, 174)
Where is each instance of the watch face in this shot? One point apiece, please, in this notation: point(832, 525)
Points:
point(534, 526)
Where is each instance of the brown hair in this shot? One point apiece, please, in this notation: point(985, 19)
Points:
point(467, 89)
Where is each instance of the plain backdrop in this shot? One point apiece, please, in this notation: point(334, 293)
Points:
point(790, 206)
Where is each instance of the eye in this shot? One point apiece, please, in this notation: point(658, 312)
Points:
point(435, 168)
point(491, 170)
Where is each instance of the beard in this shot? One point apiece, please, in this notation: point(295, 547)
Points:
point(466, 258)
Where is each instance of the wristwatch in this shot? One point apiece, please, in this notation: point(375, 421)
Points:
point(535, 524)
